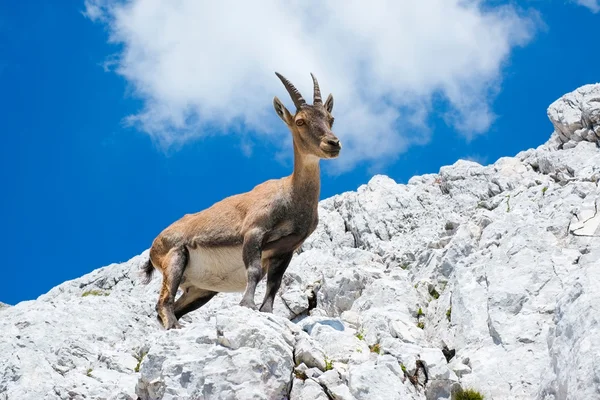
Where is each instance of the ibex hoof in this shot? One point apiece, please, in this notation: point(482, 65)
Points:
point(267, 309)
point(249, 304)
point(175, 325)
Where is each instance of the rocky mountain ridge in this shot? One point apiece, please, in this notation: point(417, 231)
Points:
point(481, 277)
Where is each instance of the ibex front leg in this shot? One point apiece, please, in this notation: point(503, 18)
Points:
point(252, 255)
point(277, 266)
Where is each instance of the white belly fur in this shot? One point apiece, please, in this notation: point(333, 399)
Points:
point(220, 269)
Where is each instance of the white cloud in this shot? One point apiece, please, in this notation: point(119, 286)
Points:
point(202, 64)
point(593, 5)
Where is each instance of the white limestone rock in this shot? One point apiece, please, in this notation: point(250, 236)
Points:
point(340, 288)
point(574, 368)
point(576, 115)
point(459, 368)
point(307, 390)
point(237, 354)
point(335, 386)
point(380, 379)
point(295, 300)
point(340, 345)
point(67, 345)
point(501, 260)
point(310, 354)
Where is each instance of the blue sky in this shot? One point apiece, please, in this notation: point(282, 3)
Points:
point(116, 122)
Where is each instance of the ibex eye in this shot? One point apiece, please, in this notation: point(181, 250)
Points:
point(300, 122)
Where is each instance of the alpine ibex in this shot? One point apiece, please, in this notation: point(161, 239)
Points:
point(230, 246)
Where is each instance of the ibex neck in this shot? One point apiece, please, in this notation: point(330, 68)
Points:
point(306, 178)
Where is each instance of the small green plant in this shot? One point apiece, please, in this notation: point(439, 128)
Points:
point(328, 364)
point(89, 372)
point(360, 335)
point(467, 394)
point(94, 292)
point(434, 293)
point(139, 357)
point(403, 368)
point(416, 285)
point(449, 313)
point(421, 325)
point(376, 348)
point(420, 313)
point(358, 350)
point(508, 203)
point(544, 189)
point(405, 266)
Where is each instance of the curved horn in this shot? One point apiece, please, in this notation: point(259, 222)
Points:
point(294, 93)
point(317, 91)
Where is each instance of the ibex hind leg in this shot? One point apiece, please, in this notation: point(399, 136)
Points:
point(192, 299)
point(174, 266)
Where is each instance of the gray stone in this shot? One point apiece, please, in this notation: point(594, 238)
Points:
point(576, 115)
point(501, 260)
point(307, 390)
point(312, 356)
point(335, 386)
point(381, 379)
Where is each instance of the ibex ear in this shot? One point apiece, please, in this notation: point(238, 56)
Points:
point(329, 103)
point(283, 112)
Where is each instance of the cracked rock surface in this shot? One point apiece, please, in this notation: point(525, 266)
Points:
point(576, 116)
point(481, 277)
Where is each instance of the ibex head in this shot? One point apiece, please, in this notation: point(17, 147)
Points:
point(311, 124)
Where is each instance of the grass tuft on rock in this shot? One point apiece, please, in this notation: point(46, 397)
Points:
point(360, 335)
point(376, 348)
point(139, 357)
point(434, 293)
point(94, 292)
point(467, 394)
point(328, 364)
